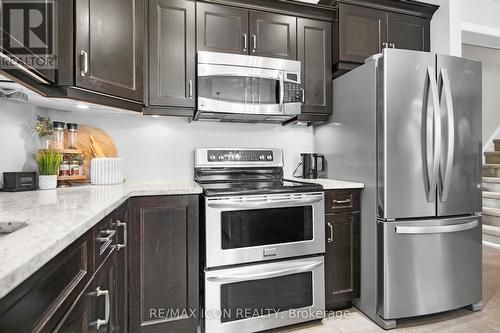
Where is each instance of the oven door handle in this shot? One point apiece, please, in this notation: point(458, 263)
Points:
point(264, 275)
point(263, 204)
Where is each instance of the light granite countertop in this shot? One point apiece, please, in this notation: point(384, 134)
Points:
point(330, 184)
point(57, 218)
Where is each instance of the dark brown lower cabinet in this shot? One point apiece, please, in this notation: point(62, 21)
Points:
point(163, 264)
point(342, 257)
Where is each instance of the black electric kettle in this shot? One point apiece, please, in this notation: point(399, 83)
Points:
point(313, 165)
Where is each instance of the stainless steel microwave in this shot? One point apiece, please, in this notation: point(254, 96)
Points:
point(234, 87)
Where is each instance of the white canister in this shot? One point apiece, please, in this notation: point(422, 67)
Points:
point(106, 171)
point(47, 182)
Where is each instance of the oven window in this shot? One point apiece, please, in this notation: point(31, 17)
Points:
point(239, 89)
point(244, 228)
point(255, 298)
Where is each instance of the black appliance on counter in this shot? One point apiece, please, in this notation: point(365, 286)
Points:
point(313, 165)
point(19, 181)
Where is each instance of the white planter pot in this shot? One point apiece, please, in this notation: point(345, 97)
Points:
point(47, 182)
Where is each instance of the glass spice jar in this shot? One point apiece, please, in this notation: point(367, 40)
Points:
point(64, 168)
point(72, 135)
point(57, 141)
point(75, 168)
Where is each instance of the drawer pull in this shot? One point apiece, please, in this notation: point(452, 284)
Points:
point(124, 225)
point(107, 307)
point(330, 238)
point(342, 202)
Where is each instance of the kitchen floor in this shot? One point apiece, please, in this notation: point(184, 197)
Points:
point(487, 320)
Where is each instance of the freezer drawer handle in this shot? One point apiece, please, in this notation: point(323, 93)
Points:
point(437, 230)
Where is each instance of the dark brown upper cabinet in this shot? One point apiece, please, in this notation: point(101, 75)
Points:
point(235, 30)
point(314, 40)
point(409, 32)
point(109, 47)
point(163, 264)
point(362, 32)
point(222, 29)
point(172, 53)
point(273, 35)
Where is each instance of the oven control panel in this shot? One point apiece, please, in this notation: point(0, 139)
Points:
point(293, 93)
point(240, 155)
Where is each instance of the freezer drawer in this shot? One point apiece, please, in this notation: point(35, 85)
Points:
point(429, 266)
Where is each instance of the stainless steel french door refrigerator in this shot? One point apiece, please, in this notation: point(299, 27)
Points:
point(408, 124)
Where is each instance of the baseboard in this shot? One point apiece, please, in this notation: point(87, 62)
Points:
point(493, 245)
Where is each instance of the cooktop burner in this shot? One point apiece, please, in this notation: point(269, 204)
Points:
point(249, 188)
point(244, 171)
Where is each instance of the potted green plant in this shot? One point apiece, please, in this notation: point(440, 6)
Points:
point(48, 167)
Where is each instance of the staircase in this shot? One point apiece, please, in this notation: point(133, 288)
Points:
point(491, 195)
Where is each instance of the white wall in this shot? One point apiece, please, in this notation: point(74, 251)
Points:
point(18, 140)
point(161, 149)
point(490, 58)
point(482, 12)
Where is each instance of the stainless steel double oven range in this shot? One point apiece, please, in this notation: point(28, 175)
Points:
point(264, 242)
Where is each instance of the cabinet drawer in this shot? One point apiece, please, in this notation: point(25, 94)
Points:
point(41, 301)
point(104, 238)
point(338, 201)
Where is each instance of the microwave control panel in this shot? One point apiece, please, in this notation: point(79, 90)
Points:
point(293, 93)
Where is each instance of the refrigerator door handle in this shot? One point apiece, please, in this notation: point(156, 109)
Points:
point(433, 134)
point(437, 229)
point(446, 166)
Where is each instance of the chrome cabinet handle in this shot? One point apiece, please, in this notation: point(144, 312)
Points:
point(385, 45)
point(106, 240)
point(264, 275)
point(254, 40)
point(342, 202)
point(100, 322)
point(437, 229)
point(446, 166)
point(392, 46)
point(245, 42)
point(330, 238)
point(433, 134)
point(190, 89)
point(124, 225)
point(84, 63)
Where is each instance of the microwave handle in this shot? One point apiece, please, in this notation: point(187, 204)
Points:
point(282, 91)
point(264, 275)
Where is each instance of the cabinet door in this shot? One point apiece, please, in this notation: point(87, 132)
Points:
point(121, 226)
point(81, 317)
point(109, 48)
point(163, 265)
point(314, 39)
point(341, 259)
point(362, 32)
point(171, 53)
point(409, 32)
point(273, 35)
point(222, 29)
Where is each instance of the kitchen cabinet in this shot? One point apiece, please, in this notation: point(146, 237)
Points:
point(314, 40)
point(163, 264)
point(408, 32)
point(362, 32)
point(222, 28)
point(121, 225)
point(172, 54)
point(365, 28)
point(82, 316)
point(240, 31)
point(342, 255)
point(109, 47)
point(273, 35)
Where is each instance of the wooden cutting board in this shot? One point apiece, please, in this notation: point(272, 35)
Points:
point(83, 143)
